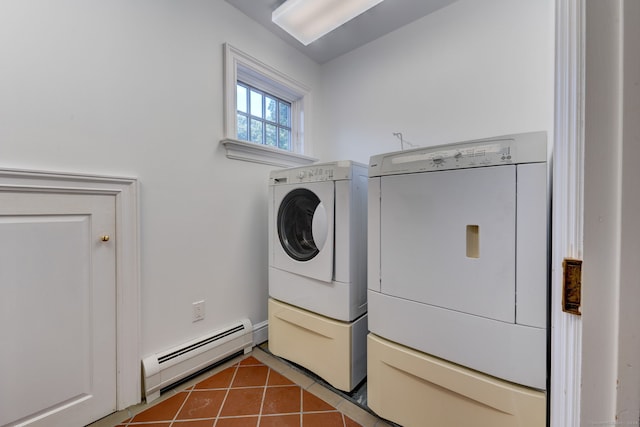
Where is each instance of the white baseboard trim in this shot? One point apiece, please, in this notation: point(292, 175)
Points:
point(260, 332)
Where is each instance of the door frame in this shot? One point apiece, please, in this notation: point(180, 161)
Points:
point(567, 211)
point(610, 285)
point(125, 191)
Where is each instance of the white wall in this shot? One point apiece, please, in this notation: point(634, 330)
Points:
point(473, 69)
point(134, 88)
point(628, 402)
point(601, 211)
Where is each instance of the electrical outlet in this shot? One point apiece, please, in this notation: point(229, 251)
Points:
point(198, 310)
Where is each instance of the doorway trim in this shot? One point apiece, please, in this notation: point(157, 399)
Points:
point(568, 209)
point(125, 191)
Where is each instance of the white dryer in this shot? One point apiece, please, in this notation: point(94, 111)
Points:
point(458, 280)
point(317, 269)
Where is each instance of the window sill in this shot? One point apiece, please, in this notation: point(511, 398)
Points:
point(250, 152)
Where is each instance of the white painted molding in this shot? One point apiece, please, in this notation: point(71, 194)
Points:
point(260, 332)
point(568, 209)
point(239, 65)
point(251, 152)
point(627, 409)
point(125, 191)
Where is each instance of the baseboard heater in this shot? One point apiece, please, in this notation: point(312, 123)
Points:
point(161, 370)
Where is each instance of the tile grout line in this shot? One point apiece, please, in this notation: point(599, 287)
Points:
point(260, 416)
point(247, 387)
point(148, 423)
point(301, 406)
point(264, 395)
point(181, 406)
point(224, 400)
point(131, 417)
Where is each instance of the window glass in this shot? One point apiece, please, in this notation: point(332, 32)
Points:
point(263, 118)
point(284, 139)
point(242, 99)
point(270, 109)
point(243, 132)
point(271, 135)
point(256, 131)
point(256, 103)
point(284, 116)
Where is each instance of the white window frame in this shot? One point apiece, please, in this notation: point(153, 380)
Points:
point(239, 66)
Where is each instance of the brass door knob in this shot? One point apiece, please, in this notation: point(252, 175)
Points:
point(105, 238)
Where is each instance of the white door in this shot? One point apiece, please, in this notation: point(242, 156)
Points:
point(57, 308)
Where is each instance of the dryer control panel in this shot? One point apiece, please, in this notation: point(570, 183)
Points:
point(333, 171)
point(504, 150)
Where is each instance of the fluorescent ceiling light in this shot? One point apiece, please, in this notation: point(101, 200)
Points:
point(308, 20)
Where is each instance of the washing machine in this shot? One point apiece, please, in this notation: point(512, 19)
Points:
point(317, 269)
point(458, 283)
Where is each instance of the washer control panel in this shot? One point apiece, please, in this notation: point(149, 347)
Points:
point(315, 174)
point(332, 171)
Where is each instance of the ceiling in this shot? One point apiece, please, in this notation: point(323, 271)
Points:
point(376, 22)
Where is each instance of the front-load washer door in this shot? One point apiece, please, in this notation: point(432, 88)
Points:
point(304, 226)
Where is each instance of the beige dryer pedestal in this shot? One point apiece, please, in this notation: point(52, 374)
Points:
point(333, 350)
point(414, 389)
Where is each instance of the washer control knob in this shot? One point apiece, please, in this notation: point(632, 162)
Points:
point(301, 174)
point(437, 160)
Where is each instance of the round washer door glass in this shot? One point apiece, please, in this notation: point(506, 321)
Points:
point(302, 225)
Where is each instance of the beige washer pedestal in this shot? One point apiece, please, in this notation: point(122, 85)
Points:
point(414, 389)
point(335, 351)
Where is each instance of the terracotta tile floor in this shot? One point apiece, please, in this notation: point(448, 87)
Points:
point(247, 393)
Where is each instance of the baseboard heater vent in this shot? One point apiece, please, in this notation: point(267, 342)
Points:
point(161, 370)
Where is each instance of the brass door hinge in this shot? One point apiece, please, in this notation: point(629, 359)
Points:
point(571, 285)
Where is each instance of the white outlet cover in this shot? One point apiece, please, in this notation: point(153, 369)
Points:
point(198, 310)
